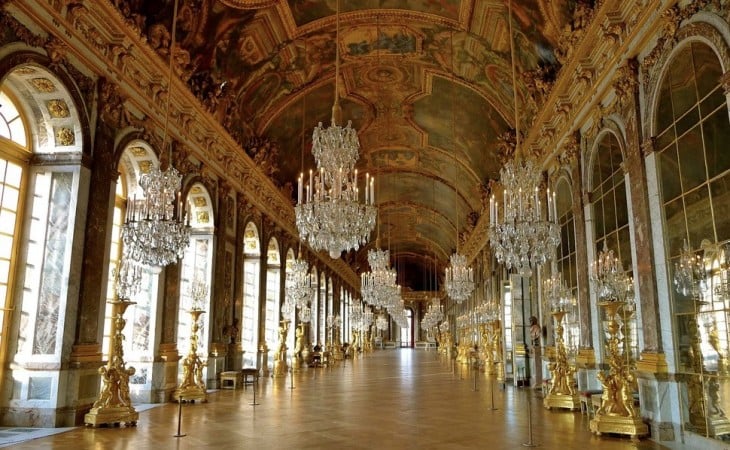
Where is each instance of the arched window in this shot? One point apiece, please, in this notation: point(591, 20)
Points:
point(273, 291)
point(137, 159)
point(692, 132)
point(14, 156)
point(290, 337)
point(323, 282)
point(611, 212)
point(250, 318)
point(314, 323)
point(38, 219)
point(196, 269)
point(566, 261)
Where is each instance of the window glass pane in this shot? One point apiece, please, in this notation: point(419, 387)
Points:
point(676, 230)
point(665, 116)
point(716, 133)
point(669, 173)
point(699, 215)
point(684, 95)
point(720, 190)
point(707, 70)
point(691, 161)
point(687, 121)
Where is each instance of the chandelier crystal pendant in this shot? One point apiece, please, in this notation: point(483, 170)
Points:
point(526, 234)
point(329, 212)
point(459, 278)
point(156, 231)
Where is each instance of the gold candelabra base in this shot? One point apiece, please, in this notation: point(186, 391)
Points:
point(562, 393)
point(114, 407)
point(192, 387)
point(628, 425)
point(111, 415)
point(190, 394)
point(712, 426)
point(559, 400)
point(280, 369)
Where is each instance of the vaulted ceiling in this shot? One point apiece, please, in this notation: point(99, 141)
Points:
point(427, 83)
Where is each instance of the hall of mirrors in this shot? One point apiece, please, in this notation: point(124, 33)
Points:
point(638, 164)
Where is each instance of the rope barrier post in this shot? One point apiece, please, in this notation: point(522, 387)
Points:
point(529, 443)
point(476, 370)
point(255, 388)
point(491, 394)
point(179, 417)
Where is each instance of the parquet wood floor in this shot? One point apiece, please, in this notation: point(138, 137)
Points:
point(391, 399)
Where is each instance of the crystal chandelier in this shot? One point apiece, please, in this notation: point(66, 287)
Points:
point(610, 282)
point(689, 272)
point(329, 214)
point(299, 287)
point(459, 278)
point(379, 286)
point(434, 314)
point(127, 278)
point(198, 293)
point(557, 293)
point(156, 231)
point(526, 234)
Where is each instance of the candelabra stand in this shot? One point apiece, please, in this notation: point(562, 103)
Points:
point(192, 387)
point(114, 405)
point(487, 349)
point(497, 346)
point(617, 413)
point(562, 393)
point(706, 417)
point(280, 365)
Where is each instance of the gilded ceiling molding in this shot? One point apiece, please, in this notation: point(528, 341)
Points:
point(250, 4)
point(574, 32)
point(99, 37)
point(571, 149)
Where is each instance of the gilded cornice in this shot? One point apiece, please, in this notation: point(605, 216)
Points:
point(99, 38)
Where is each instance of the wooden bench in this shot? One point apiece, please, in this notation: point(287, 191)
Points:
point(425, 344)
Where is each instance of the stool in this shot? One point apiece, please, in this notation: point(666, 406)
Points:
point(248, 372)
point(230, 376)
point(585, 401)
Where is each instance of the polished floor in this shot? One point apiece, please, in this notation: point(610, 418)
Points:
point(391, 399)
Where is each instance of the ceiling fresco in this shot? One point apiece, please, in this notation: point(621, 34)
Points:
point(427, 84)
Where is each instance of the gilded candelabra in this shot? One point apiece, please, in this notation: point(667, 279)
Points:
point(562, 393)
point(114, 405)
point(487, 349)
point(192, 386)
point(617, 413)
point(280, 365)
point(693, 277)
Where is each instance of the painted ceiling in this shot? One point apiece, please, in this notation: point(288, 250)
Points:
point(427, 83)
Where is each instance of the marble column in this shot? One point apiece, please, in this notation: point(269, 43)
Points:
point(165, 366)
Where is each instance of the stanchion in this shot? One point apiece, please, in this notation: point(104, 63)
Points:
point(529, 443)
point(476, 370)
point(491, 394)
point(255, 388)
point(179, 416)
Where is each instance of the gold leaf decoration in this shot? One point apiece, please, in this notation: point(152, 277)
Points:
point(58, 109)
point(43, 85)
point(64, 137)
